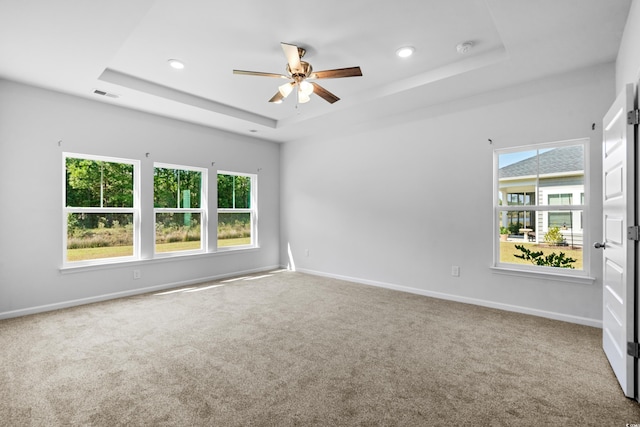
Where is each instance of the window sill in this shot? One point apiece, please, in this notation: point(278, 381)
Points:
point(585, 280)
point(70, 269)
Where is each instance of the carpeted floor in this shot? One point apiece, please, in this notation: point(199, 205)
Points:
point(288, 349)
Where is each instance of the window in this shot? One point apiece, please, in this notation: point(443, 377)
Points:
point(105, 221)
point(560, 219)
point(101, 213)
point(236, 210)
point(522, 199)
point(520, 219)
point(179, 208)
point(539, 199)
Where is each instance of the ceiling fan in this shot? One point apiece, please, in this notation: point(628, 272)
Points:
point(299, 71)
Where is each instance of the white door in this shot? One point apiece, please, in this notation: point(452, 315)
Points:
point(618, 187)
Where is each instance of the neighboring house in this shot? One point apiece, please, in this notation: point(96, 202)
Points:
point(553, 177)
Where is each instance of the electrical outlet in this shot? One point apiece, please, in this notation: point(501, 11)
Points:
point(136, 274)
point(455, 270)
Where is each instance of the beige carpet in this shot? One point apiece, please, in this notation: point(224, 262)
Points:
point(289, 349)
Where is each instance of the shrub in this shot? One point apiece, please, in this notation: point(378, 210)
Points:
point(174, 233)
point(554, 236)
point(551, 260)
point(99, 238)
point(233, 230)
point(514, 228)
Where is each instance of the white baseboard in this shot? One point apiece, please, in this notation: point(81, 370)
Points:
point(475, 301)
point(484, 303)
point(127, 293)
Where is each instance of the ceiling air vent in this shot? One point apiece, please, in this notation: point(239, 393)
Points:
point(103, 93)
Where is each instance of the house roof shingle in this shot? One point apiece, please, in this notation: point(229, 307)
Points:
point(557, 160)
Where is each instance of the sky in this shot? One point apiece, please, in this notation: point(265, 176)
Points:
point(511, 158)
point(507, 159)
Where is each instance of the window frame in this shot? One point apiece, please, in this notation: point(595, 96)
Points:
point(252, 210)
point(134, 210)
point(583, 208)
point(202, 210)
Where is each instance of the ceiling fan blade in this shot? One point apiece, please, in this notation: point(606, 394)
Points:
point(337, 73)
point(277, 97)
point(324, 94)
point(293, 57)
point(258, 73)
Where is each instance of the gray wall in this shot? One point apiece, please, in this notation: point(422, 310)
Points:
point(628, 61)
point(398, 205)
point(32, 121)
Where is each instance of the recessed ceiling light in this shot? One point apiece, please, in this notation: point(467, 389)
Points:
point(405, 52)
point(178, 65)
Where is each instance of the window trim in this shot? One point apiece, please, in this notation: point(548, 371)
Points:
point(533, 270)
point(135, 210)
point(202, 210)
point(253, 211)
point(144, 244)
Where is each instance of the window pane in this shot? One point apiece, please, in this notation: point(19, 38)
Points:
point(519, 220)
point(234, 192)
point(176, 188)
point(570, 256)
point(234, 229)
point(94, 236)
point(93, 183)
point(561, 199)
point(550, 241)
point(178, 232)
point(559, 219)
point(521, 199)
point(546, 177)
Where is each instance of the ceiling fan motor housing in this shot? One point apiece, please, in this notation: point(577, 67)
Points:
point(303, 73)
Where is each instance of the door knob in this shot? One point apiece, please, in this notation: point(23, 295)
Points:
point(599, 245)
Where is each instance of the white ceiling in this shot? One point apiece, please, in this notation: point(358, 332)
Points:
point(122, 47)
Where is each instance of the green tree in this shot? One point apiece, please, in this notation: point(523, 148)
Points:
point(92, 183)
point(234, 192)
point(169, 186)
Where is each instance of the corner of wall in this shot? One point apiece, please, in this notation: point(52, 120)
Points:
point(628, 61)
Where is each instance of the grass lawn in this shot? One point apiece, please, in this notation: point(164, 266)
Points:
point(178, 246)
point(508, 250)
point(95, 253)
point(234, 242)
point(120, 251)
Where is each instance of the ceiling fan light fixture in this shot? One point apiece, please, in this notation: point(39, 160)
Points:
point(303, 98)
point(306, 88)
point(285, 89)
point(405, 52)
point(177, 64)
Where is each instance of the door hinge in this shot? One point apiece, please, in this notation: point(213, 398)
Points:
point(633, 117)
point(633, 349)
point(633, 232)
